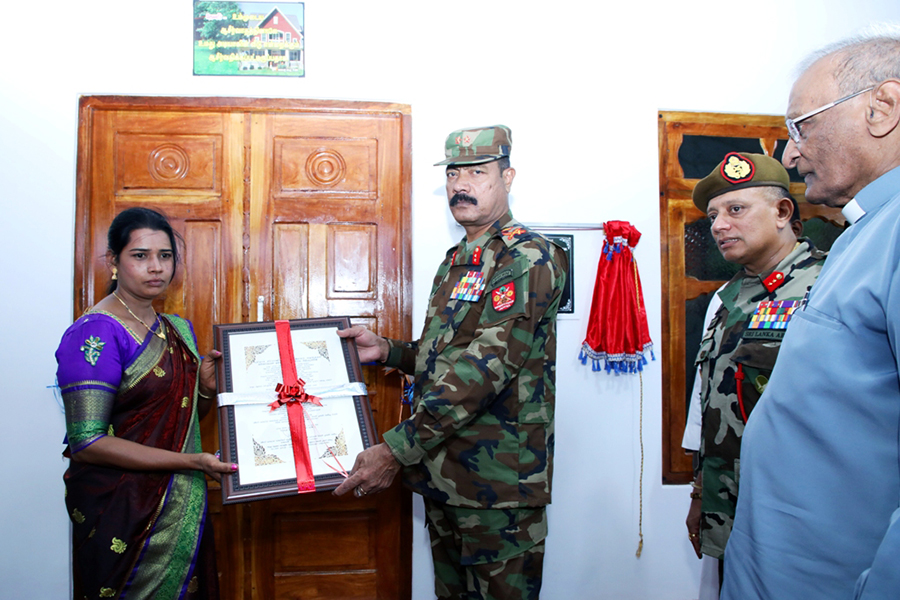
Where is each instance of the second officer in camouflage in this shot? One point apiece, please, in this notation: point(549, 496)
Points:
point(747, 200)
point(479, 444)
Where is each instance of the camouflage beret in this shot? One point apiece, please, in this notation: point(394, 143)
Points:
point(477, 145)
point(738, 171)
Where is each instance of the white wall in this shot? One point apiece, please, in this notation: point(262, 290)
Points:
point(579, 84)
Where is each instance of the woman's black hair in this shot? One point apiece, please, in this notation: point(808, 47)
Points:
point(129, 220)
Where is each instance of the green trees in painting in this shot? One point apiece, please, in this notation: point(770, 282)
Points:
point(210, 18)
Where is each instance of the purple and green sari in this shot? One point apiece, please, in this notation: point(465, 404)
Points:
point(135, 534)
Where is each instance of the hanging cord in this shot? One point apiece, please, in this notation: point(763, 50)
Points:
point(640, 548)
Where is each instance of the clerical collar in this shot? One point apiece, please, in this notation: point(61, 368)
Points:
point(853, 212)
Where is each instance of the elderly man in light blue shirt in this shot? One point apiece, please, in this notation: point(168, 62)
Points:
point(817, 517)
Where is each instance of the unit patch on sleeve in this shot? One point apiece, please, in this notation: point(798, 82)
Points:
point(770, 319)
point(469, 288)
point(504, 296)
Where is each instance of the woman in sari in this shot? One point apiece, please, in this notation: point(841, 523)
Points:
point(134, 388)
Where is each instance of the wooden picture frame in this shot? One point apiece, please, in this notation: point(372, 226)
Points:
point(257, 437)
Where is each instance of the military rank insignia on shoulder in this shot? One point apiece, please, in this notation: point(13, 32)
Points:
point(770, 319)
point(511, 233)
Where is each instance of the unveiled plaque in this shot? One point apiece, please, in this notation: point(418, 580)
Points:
point(293, 409)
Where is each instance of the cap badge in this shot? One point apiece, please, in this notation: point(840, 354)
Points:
point(737, 169)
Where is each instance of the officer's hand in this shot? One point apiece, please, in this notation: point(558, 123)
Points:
point(373, 472)
point(693, 524)
point(369, 346)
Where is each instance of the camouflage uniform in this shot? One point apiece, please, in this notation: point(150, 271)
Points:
point(735, 338)
point(479, 444)
point(501, 551)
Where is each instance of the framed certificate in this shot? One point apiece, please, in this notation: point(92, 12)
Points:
point(258, 438)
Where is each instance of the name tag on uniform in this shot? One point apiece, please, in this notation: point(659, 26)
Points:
point(469, 288)
point(770, 319)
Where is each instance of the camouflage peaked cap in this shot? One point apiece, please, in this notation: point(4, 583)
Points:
point(477, 145)
point(738, 171)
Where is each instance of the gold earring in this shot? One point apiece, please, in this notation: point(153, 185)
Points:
point(115, 271)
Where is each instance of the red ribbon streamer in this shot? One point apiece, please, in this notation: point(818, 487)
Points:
point(292, 394)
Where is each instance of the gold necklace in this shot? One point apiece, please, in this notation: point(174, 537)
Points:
point(158, 334)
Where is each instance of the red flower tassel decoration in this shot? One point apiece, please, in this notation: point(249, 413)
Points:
point(617, 331)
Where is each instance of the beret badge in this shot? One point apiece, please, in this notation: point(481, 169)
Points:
point(736, 168)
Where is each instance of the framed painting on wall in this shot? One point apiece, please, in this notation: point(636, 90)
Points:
point(249, 39)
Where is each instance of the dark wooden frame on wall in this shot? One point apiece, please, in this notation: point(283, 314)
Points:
point(676, 209)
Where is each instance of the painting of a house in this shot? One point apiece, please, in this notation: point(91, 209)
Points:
point(281, 39)
point(249, 38)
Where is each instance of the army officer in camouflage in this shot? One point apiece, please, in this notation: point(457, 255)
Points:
point(479, 444)
point(751, 211)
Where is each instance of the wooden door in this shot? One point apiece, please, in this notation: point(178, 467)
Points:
point(288, 209)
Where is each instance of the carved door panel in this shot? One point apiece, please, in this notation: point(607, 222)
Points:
point(306, 206)
point(183, 166)
point(326, 194)
point(190, 167)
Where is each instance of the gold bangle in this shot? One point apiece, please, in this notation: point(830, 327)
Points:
point(696, 495)
point(202, 395)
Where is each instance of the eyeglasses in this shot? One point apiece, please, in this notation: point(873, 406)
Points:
point(794, 131)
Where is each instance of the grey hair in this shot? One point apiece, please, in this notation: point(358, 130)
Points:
point(774, 193)
point(863, 60)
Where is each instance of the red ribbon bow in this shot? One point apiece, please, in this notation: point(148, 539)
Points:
point(288, 394)
point(292, 394)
